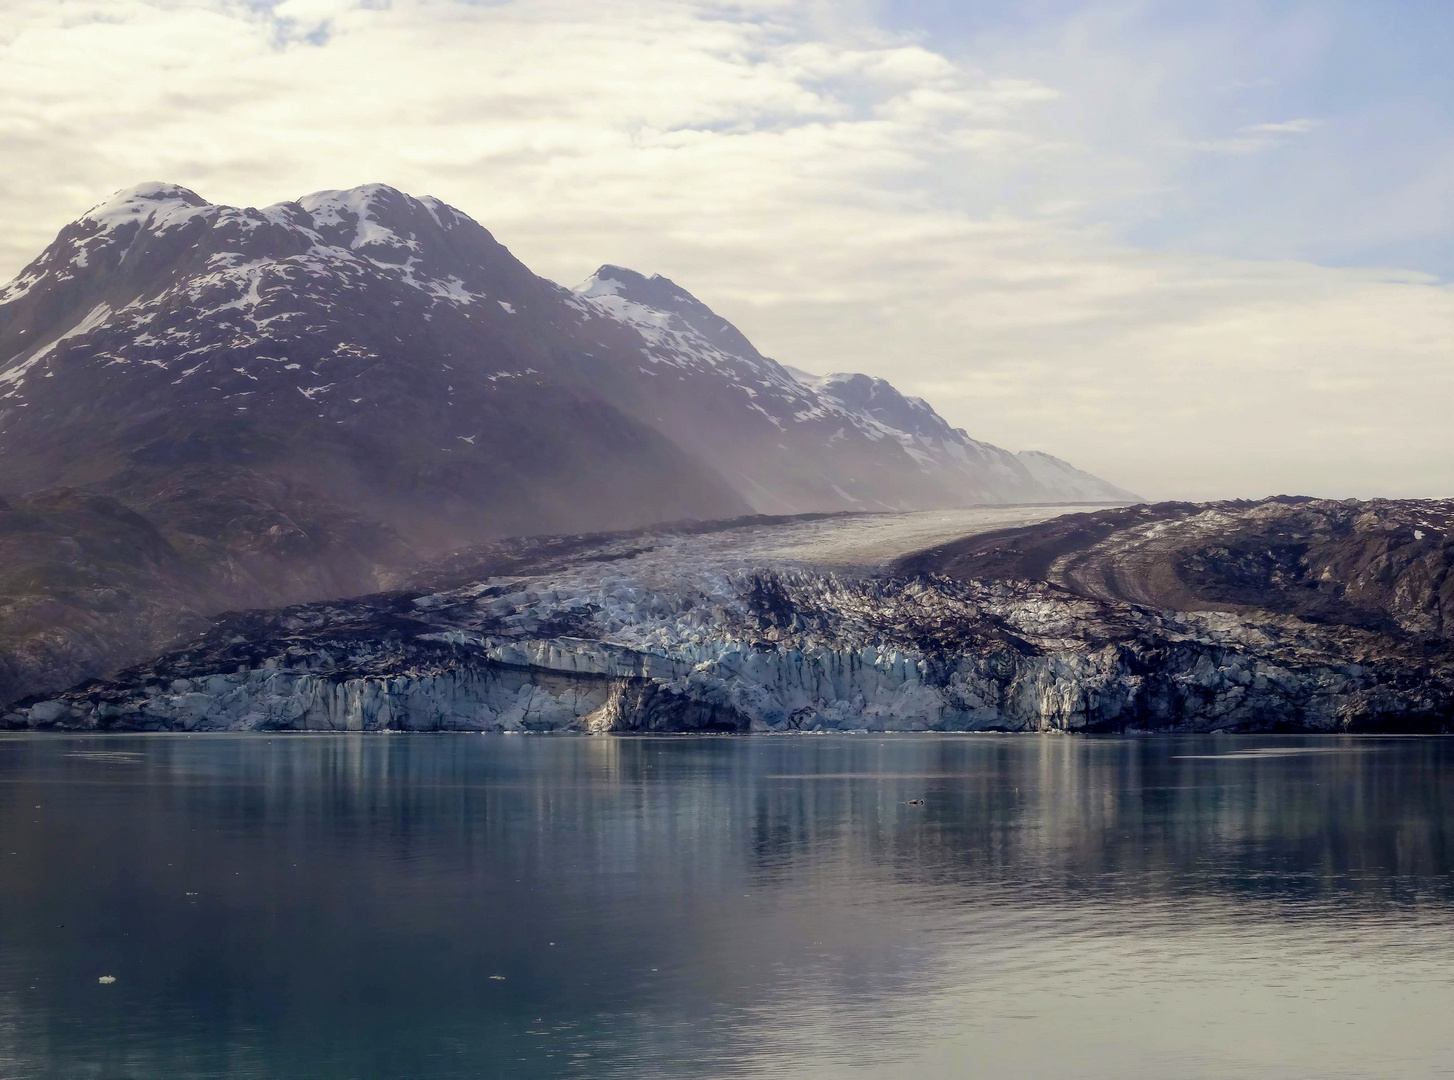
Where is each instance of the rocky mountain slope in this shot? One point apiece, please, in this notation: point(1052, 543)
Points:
point(725, 630)
point(88, 583)
point(303, 400)
point(1385, 566)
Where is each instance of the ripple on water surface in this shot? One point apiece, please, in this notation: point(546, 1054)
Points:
point(912, 906)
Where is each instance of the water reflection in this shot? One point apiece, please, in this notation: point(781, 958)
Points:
point(508, 906)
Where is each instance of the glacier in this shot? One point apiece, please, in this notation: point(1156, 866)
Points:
point(752, 627)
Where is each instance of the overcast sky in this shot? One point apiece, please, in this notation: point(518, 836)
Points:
point(1203, 250)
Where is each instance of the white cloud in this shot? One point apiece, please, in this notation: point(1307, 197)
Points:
point(1284, 127)
point(1252, 138)
point(855, 200)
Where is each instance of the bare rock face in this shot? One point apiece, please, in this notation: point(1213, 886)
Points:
point(80, 572)
point(697, 631)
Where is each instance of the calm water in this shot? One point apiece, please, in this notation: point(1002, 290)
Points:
point(489, 906)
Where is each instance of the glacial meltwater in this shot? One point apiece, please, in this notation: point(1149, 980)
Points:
point(911, 906)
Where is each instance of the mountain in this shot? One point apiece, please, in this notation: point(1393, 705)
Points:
point(388, 352)
point(380, 350)
point(1060, 481)
point(791, 442)
point(300, 401)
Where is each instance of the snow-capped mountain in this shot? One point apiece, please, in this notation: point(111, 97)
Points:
point(385, 352)
point(793, 442)
point(381, 350)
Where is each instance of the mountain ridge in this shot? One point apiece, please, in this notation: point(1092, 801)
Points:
point(684, 333)
point(160, 246)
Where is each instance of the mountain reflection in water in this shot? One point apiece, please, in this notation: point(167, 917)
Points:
point(481, 906)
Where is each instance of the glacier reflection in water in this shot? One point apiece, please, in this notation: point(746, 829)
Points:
point(496, 906)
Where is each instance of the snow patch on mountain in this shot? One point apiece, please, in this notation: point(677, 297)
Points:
point(351, 215)
point(15, 375)
point(1062, 480)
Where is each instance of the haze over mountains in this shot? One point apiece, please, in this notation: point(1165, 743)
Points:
point(207, 407)
point(387, 350)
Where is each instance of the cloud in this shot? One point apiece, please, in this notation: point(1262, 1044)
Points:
point(1252, 138)
point(852, 197)
point(1284, 127)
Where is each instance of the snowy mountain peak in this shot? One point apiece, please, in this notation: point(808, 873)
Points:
point(164, 244)
point(663, 307)
point(608, 280)
point(653, 291)
point(363, 199)
point(377, 218)
point(155, 208)
point(841, 440)
point(145, 202)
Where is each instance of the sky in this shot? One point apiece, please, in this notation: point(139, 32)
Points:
point(1203, 250)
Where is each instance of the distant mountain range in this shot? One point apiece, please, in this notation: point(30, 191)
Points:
point(288, 402)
